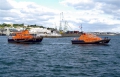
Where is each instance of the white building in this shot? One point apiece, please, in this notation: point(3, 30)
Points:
point(39, 30)
point(43, 32)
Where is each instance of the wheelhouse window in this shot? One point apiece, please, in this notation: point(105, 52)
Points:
point(12, 34)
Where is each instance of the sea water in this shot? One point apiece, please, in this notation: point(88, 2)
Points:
point(57, 57)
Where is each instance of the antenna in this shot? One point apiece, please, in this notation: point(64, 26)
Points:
point(81, 27)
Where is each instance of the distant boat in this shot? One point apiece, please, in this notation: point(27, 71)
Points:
point(86, 38)
point(24, 37)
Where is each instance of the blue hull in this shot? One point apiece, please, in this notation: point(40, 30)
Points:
point(34, 40)
point(95, 42)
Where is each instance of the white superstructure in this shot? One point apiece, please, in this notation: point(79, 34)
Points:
point(44, 32)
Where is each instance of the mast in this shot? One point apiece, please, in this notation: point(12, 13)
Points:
point(60, 27)
point(65, 26)
point(81, 27)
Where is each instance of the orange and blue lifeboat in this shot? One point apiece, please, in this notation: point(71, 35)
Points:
point(86, 38)
point(24, 37)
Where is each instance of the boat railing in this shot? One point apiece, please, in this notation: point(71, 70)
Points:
point(11, 35)
point(106, 38)
point(75, 39)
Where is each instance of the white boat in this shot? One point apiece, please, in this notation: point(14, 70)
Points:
point(52, 35)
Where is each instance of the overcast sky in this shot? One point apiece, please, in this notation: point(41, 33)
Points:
point(94, 15)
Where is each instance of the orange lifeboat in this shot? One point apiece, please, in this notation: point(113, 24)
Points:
point(24, 37)
point(86, 38)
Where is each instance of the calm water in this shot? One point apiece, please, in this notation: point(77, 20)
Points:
point(57, 57)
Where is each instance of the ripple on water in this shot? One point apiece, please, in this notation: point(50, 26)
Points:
point(57, 57)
